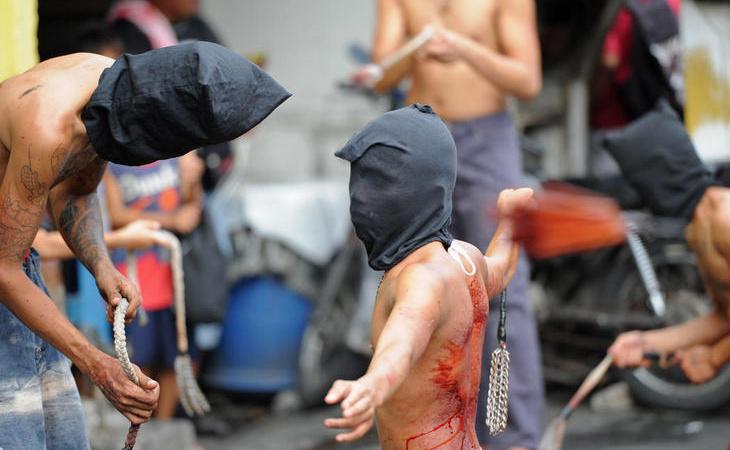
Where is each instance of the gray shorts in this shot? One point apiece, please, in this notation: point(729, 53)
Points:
point(489, 160)
point(40, 406)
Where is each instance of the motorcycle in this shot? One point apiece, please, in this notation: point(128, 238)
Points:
point(584, 301)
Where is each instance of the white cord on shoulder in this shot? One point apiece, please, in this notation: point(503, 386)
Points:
point(458, 253)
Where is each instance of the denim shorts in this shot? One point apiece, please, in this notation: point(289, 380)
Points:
point(40, 406)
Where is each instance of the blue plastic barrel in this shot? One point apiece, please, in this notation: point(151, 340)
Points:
point(262, 333)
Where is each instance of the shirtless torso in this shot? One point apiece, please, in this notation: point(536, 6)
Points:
point(436, 407)
point(48, 100)
point(483, 50)
point(48, 164)
point(428, 327)
point(709, 236)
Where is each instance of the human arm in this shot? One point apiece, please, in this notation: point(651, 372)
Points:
point(629, 348)
point(137, 235)
point(390, 35)
point(191, 175)
point(709, 237)
point(25, 193)
point(702, 362)
point(514, 68)
point(415, 316)
point(74, 206)
point(503, 253)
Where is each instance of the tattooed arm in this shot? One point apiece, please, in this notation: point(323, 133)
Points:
point(23, 196)
point(75, 208)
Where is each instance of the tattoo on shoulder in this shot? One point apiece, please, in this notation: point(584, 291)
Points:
point(28, 91)
point(29, 179)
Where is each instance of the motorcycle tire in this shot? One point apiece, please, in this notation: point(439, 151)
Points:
point(669, 388)
point(319, 366)
point(654, 387)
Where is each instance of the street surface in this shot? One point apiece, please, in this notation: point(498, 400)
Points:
point(634, 428)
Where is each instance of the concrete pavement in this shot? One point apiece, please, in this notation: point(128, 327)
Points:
point(633, 428)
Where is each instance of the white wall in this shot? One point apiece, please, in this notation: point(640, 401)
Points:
point(306, 43)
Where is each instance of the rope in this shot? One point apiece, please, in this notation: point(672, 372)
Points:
point(120, 347)
point(172, 243)
point(192, 398)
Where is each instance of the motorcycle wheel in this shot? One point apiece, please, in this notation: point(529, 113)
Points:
point(685, 298)
point(322, 360)
point(666, 389)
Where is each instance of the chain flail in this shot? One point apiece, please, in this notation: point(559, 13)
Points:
point(498, 394)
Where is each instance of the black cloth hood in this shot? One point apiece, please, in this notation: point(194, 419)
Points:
point(163, 103)
point(402, 176)
point(657, 157)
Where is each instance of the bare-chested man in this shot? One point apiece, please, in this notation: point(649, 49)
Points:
point(59, 124)
point(702, 345)
point(481, 52)
point(431, 310)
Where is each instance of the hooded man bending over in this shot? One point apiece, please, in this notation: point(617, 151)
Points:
point(432, 305)
point(60, 122)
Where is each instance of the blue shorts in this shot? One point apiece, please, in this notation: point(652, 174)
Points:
point(40, 406)
point(154, 345)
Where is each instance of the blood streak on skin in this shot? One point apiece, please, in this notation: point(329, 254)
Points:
point(453, 432)
point(462, 386)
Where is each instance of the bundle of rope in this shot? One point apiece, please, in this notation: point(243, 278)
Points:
point(191, 396)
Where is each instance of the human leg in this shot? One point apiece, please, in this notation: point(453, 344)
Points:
point(62, 410)
point(21, 406)
point(40, 406)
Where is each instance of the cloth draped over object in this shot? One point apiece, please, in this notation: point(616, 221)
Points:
point(657, 157)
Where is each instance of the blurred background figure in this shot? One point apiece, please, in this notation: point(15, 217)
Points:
point(480, 54)
point(159, 192)
point(142, 25)
point(640, 62)
point(97, 37)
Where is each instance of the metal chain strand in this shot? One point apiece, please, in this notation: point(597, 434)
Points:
point(192, 398)
point(498, 394)
point(120, 347)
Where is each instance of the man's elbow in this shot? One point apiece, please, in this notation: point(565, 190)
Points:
point(10, 271)
point(530, 89)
